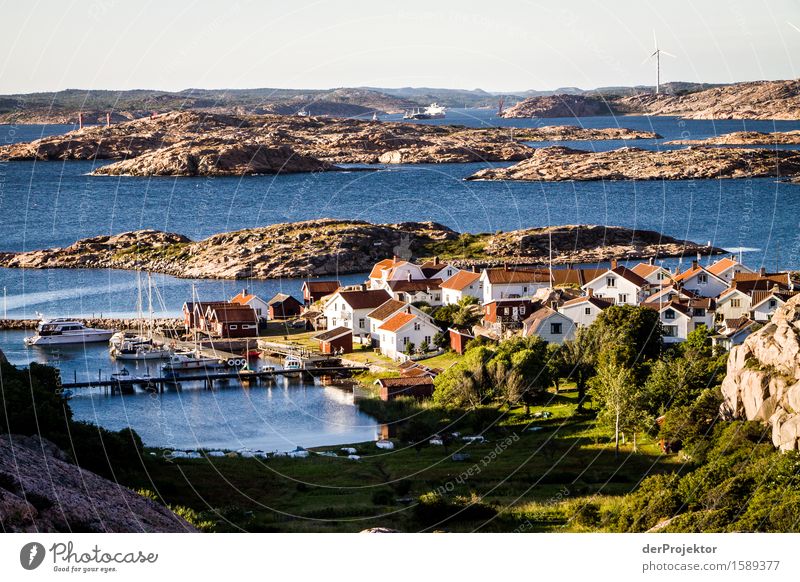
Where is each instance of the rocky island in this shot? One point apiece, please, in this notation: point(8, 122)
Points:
point(195, 143)
point(702, 163)
point(562, 105)
point(745, 138)
point(329, 246)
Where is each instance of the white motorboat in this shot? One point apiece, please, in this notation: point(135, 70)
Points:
point(140, 351)
point(66, 331)
point(190, 361)
point(432, 111)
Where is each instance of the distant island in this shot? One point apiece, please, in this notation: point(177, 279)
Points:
point(329, 246)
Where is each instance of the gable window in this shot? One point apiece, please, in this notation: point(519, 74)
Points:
point(736, 302)
point(587, 311)
point(361, 323)
point(661, 276)
point(405, 340)
point(623, 297)
point(611, 282)
point(669, 314)
point(555, 329)
point(702, 278)
point(416, 326)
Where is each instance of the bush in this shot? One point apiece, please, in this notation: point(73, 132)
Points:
point(383, 497)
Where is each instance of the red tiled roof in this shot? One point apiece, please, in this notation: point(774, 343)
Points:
point(596, 301)
point(461, 280)
point(721, 266)
point(397, 321)
point(243, 298)
point(644, 270)
point(377, 270)
point(505, 276)
point(415, 284)
point(324, 287)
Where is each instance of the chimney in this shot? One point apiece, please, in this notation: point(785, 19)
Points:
point(505, 266)
point(694, 264)
point(762, 271)
point(651, 261)
point(108, 119)
point(613, 263)
point(436, 260)
point(244, 292)
point(80, 120)
point(363, 286)
point(408, 276)
point(554, 305)
point(591, 292)
point(408, 309)
point(474, 270)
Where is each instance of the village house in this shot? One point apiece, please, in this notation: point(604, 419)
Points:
point(260, 306)
point(435, 269)
point(338, 340)
point(765, 303)
point(655, 275)
point(403, 329)
point(418, 387)
point(349, 308)
point(619, 285)
point(701, 281)
point(313, 291)
point(459, 339)
point(462, 284)
point(550, 325)
point(570, 277)
point(194, 313)
point(681, 316)
point(417, 290)
point(387, 309)
point(284, 306)
point(728, 269)
point(506, 283)
point(733, 332)
point(584, 310)
point(394, 269)
point(231, 321)
point(737, 300)
point(500, 315)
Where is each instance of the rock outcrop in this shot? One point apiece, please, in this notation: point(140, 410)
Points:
point(328, 246)
point(563, 105)
point(745, 138)
point(41, 492)
point(756, 100)
point(763, 377)
point(704, 163)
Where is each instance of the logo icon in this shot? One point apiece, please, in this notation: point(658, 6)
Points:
point(31, 555)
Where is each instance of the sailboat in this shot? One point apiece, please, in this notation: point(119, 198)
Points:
point(139, 347)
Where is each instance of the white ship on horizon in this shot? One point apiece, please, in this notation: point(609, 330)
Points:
point(432, 111)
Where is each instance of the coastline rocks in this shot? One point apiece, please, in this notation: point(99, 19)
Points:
point(561, 163)
point(763, 377)
point(41, 492)
point(754, 100)
point(745, 138)
point(330, 246)
point(563, 105)
point(215, 157)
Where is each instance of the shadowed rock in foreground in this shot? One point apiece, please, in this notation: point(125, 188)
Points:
point(330, 246)
point(41, 492)
point(560, 163)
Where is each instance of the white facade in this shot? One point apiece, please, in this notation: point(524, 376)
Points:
point(339, 312)
point(733, 305)
point(676, 324)
point(582, 312)
point(615, 288)
point(494, 291)
point(704, 283)
point(765, 309)
point(416, 331)
point(393, 270)
point(375, 323)
point(554, 328)
point(459, 290)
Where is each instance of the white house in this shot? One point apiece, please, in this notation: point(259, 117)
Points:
point(258, 305)
point(619, 285)
point(734, 332)
point(462, 284)
point(701, 281)
point(584, 310)
point(393, 269)
point(733, 303)
point(416, 290)
point(728, 268)
point(764, 305)
point(676, 320)
point(386, 310)
point(402, 329)
point(654, 274)
point(505, 283)
point(550, 325)
point(435, 270)
point(350, 309)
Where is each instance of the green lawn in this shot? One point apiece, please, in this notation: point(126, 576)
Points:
point(533, 480)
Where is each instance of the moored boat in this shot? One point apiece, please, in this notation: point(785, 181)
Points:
point(66, 331)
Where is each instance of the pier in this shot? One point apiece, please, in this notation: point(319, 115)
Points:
point(243, 376)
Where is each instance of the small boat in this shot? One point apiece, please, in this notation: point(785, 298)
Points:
point(190, 361)
point(293, 365)
point(375, 116)
point(66, 331)
point(303, 113)
point(139, 351)
point(432, 111)
point(66, 394)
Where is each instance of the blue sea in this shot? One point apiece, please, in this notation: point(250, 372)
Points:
point(46, 204)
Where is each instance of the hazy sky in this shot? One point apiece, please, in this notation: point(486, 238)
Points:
point(495, 45)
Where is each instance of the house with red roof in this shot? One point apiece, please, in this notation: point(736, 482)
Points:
point(652, 273)
point(462, 284)
point(728, 268)
point(511, 283)
point(255, 302)
point(618, 285)
point(403, 329)
point(701, 281)
point(349, 308)
point(313, 291)
point(584, 310)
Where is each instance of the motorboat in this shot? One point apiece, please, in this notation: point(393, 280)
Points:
point(190, 361)
point(66, 331)
point(137, 351)
point(432, 111)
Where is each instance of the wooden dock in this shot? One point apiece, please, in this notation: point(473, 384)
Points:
point(242, 376)
point(209, 351)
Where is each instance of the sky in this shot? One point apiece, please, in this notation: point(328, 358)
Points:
point(508, 45)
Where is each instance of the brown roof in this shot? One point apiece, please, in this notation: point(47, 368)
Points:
point(229, 313)
point(779, 278)
point(760, 296)
point(626, 273)
point(676, 305)
point(324, 287)
point(504, 276)
point(332, 334)
point(203, 305)
point(645, 269)
point(721, 266)
point(386, 309)
point(377, 270)
point(461, 280)
point(406, 381)
point(397, 321)
point(415, 285)
point(368, 299)
point(281, 298)
point(575, 276)
point(596, 301)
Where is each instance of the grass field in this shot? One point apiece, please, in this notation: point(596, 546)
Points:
point(530, 475)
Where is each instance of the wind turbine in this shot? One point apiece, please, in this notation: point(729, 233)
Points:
point(657, 54)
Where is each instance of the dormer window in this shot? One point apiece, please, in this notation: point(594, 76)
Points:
point(702, 278)
point(669, 314)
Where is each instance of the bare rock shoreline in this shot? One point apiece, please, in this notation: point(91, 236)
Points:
point(330, 246)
